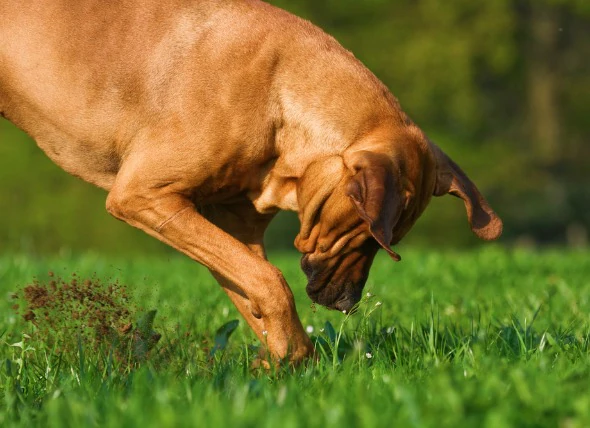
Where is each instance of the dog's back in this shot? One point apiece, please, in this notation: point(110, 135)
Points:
point(85, 77)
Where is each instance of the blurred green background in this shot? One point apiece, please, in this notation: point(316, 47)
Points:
point(502, 86)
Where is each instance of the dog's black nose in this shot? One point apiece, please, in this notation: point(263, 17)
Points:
point(345, 304)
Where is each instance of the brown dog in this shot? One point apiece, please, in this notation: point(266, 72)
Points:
point(203, 118)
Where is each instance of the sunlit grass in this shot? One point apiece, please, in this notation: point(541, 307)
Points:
point(489, 337)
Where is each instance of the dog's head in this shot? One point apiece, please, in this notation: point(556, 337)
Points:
point(351, 206)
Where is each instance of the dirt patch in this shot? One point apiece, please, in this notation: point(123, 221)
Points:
point(78, 312)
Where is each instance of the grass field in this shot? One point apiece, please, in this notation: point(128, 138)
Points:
point(491, 338)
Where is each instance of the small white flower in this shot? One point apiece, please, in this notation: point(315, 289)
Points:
point(378, 304)
point(369, 295)
point(390, 330)
point(309, 329)
point(344, 311)
point(369, 355)
point(264, 332)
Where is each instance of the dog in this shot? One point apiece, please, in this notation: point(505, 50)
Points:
point(204, 118)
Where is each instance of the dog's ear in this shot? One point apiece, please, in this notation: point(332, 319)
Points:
point(375, 194)
point(452, 180)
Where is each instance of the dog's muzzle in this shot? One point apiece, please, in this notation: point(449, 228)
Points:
point(327, 288)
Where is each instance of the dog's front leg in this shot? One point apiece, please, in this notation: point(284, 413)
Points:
point(257, 287)
point(243, 222)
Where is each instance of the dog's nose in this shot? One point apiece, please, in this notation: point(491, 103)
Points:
point(344, 304)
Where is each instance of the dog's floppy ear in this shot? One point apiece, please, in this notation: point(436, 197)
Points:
point(451, 179)
point(375, 194)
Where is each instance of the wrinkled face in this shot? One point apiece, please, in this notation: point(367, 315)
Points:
point(355, 205)
point(364, 210)
point(337, 282)
point(338, 264)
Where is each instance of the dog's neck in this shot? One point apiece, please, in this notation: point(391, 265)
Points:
point(282, 176)
point(318, 117)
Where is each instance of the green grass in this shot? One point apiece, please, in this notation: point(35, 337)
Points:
point(491, 337)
